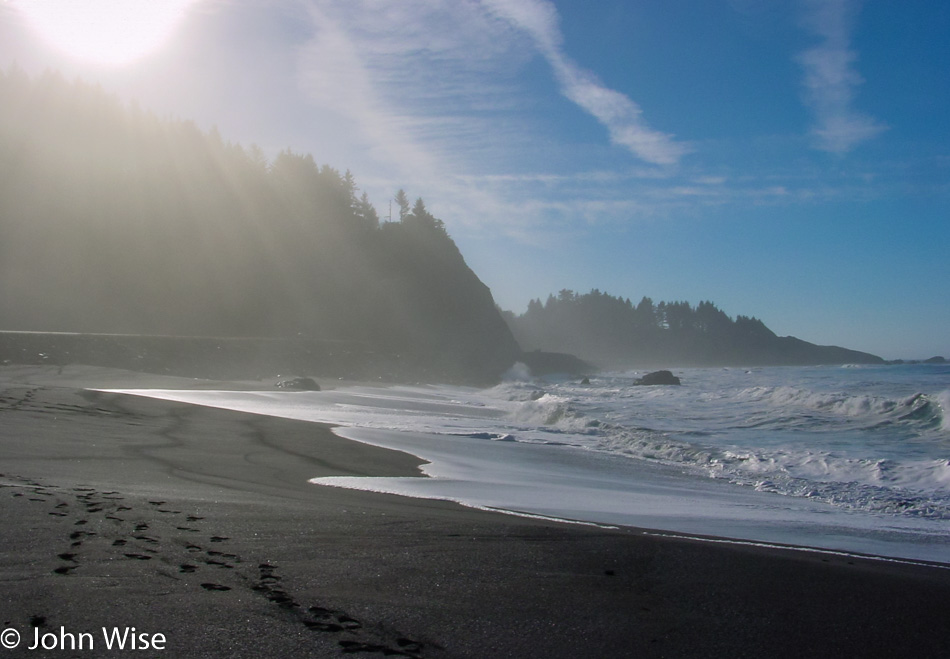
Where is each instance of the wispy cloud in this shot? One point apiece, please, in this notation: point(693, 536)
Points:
point(432, 90)
point(622, 117)
point(431, 94)
point(831, 79)
point(446, 73)
point(429, 86)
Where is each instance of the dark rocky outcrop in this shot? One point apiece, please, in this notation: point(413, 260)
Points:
point(299, 384)
point(932, 360)
point(658, 377)
point(550, 363)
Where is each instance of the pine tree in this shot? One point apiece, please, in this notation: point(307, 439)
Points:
point(403, 202)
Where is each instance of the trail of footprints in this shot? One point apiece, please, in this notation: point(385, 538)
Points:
point(23, 398)
point(125, 532)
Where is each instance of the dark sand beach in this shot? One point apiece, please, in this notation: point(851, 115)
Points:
point(200, 525)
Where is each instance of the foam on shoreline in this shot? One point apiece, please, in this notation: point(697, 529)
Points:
point(569, 483)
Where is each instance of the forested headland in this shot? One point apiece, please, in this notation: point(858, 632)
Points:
point(612, 332)
point(114, 220)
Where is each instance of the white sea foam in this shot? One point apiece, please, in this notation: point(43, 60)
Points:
point(862, 445)
point(776, 454)
point(943, 400)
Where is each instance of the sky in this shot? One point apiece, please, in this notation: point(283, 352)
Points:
point(785, 159)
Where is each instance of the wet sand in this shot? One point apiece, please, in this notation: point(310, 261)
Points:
point(200, 525)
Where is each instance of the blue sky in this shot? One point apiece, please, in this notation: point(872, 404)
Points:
point(785, 159)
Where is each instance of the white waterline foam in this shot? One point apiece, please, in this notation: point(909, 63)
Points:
point(476, 456)
point(345, 483)
point(798, 548)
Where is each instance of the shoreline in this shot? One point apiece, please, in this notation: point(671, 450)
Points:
point(564, 483)
point(225, 502)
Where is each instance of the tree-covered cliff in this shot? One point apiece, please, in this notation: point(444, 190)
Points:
point(113, 220)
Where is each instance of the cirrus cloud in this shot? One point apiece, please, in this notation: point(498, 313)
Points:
point(831, 80)
point(622, 117)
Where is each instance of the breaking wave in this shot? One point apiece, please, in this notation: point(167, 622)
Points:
point(919, 409)
point(866, 451)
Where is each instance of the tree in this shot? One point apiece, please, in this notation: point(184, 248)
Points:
point(366, 213)
point(421, 218)
point(403, 202)
point(645, 316)
point(255, 155)
point(348, 184)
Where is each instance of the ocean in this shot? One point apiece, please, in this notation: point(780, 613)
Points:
point(833, 458)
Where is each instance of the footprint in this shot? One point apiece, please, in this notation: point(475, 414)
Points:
point(141, 526)
point(139, 557)
point(336, 619)
point(348, 622)
point(218, 538)
point(187, 568)
point(214, 586)
point(212, 552)
point(267, 579)
point(280, 598)
point(119, 543)
point(158, 503)
point(65, 569)
point(193, 518)
point(409, 645)
point(322, 626)
point(66, 556)
point(355, 646)
point(37, 621)
point(81, 522)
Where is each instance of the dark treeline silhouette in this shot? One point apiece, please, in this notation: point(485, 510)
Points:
point(612, 332)
point(113, 220)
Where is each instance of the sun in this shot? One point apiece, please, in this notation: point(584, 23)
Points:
point(112, 32)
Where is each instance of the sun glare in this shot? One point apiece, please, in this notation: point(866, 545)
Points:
point(111, 32)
